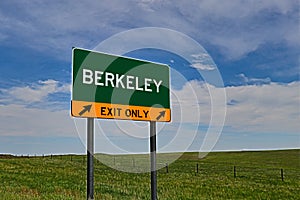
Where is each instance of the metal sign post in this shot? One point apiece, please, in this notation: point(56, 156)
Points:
point(153, 160)
point(90, 158)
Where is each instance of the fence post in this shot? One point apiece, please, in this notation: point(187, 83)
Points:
point(167, 168)
point(197, 168)
point(281, 172)
point(234, 171)
point(133, 162)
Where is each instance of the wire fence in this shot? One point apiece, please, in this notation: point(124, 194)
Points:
point(139, 164)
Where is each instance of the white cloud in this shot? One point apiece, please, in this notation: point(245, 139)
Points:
point(271, 108)
point(266, 108)
point(256, 81)
point(239, 27)
point(202, 61)
point(236, 27)
point(203, 66)
point(18, 120)
point(33, 93)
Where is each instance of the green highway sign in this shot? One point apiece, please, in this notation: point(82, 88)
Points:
point(116, 87)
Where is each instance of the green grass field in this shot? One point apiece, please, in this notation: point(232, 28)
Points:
point(258, 176)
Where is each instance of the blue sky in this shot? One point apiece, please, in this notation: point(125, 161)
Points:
point(254, 44)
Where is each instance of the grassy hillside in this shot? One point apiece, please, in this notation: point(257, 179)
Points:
point(257, 176)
